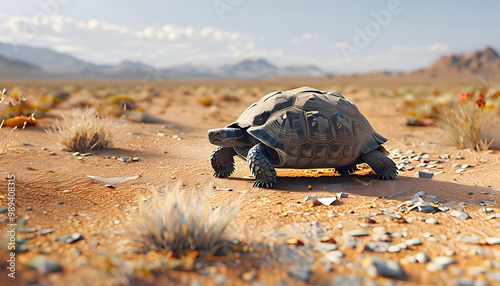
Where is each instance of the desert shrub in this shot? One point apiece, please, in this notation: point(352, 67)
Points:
point(471, 123)
point(181, 223)
point(83, 130)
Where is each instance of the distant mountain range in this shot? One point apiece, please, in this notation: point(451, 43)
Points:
point(485, 61)
point(26, 61)
point(33, 62)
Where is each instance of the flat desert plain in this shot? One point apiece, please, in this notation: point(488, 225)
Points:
point(376, 233)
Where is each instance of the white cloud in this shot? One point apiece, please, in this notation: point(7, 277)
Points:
point(434, 47)
point(69, 48)
point(305, 37)
point(104, 42)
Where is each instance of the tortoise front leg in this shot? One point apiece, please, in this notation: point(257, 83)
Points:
point(261, 167)
point(384, 167)
point(222, 161)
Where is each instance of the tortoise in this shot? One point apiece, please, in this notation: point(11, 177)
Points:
point(301, 128)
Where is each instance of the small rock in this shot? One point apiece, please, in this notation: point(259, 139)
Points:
point(394, 248)
point(443, 260)
point(422, 257)
point(327, 201)
point(408, 168)
point(342, 195)
point(492, 240)
point(411, 259)
point(29, 208)
point(44, 265)
point(377, 246)
point(477, 250)
point(459, 213)
point(334, 256)
point(327, 246)
point(383, 237)
point(386, 268)
point(93, 244)
point(28, 230)
point(357, 232)
point(310, 198)
point(413, 241)
point(60, 202)
point(427, 234)
point(431, 221)
point(448, 251)
point(425, 175)
point(380, 229)
point(299, 273)
point(433, 267)
point(468, 238)
point(433, 239)
point(419, 194)
point(485, 203)
point(46, 231)
point(249, 276)
point(70, 238)
point(458, 171)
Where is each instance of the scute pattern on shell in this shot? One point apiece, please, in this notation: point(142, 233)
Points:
point(310, 128)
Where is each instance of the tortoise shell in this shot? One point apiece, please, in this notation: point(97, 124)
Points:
point(310, 128)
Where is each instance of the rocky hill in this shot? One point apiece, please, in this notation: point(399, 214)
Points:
point(482, 61)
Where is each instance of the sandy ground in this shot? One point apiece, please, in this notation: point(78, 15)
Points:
point(53, 184)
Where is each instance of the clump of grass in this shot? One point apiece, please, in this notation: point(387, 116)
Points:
point(471, 123)
point(83, 130)
point(181, 223)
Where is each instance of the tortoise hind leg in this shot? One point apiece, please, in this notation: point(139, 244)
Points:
point(222, 161)
point(381, 164)
point(346, 170)
point(261, 167)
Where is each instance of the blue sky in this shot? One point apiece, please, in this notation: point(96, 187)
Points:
point(338, 36)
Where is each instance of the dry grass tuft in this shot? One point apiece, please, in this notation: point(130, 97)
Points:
point(84, 130)
point(469, 125)
point(182, 223)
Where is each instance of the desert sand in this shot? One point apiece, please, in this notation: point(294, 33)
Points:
point(278, 235)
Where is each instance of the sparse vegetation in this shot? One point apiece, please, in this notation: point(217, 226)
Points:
point(182, 223)
point(471, 123)
point(84, 130)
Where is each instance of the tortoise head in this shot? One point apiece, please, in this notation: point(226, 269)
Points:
point(231, 137)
